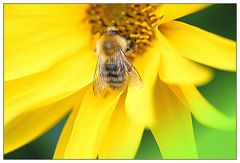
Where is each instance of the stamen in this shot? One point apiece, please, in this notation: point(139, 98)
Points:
point(135, 21)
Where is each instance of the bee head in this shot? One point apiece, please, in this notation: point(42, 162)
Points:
point(112, 30)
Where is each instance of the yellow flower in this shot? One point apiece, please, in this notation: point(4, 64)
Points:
point(49, 62)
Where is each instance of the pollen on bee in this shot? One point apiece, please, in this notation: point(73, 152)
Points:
point(134, 21)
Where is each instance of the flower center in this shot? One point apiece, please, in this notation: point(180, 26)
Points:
point(134, 21)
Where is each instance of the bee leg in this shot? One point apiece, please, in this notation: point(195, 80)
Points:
point(131, 45)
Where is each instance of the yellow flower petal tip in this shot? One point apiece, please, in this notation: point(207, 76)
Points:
point(169, 12)
point(202, 110)
point(173, 128)
point(201, 46)
point(176, 69)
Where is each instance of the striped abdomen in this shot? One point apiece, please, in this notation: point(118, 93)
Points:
point(114, 74)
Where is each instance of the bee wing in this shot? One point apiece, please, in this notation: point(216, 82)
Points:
point(135, 79)
point(99, 85)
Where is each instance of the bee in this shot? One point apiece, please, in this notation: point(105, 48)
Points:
point(114, 72)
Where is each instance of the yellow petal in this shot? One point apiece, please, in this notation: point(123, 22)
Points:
point(65, 136)
point(123, 136)
point(169, 12)
point(49, 86)
point(202, 110)
point(90, 126)
point(173, 130)
point(139, 103)
point(201, 46)
point(30, 125)
point(176, 69)
point(36, 36)
point(67, 130)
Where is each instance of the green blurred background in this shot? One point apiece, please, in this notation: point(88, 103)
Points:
point(221, 92)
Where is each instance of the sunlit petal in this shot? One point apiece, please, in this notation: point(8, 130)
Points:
point(40, 89)
point(176, 69)
point(123, 136)
point(201, 46)
point(139, 103)
point(90, 125)
point(173, 130)
point(169, 12)
point(67, 130)
point(29, 125)
point(202, 110)
point(30, 33)
point(65, 136)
